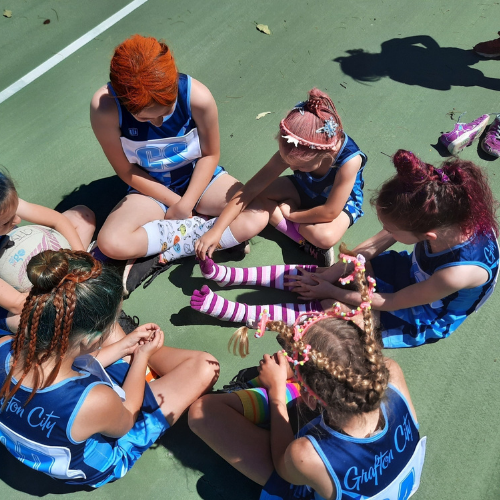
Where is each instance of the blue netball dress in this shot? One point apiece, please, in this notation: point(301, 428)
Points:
point(168, 153)
point(387, 465)
point(314, 191)
point(430, 322)
point(39, 433)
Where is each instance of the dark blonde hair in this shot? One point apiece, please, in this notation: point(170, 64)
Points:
point(72, 296)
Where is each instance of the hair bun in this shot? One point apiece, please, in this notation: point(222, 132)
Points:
point(410, 168)
point(47, 269)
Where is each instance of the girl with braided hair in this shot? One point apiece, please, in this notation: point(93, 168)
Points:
point(323, 197)
point(363, 444)
point(72, 410)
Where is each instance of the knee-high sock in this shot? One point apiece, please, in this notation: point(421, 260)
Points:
point(269, 276)
point(208, 302)
point(174, 239)
point(291, 229)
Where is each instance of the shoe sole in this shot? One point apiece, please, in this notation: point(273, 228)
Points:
point(465, 140)
point(489, 56)
point(126, 272)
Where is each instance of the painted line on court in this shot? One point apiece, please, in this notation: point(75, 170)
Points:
point(70, 49)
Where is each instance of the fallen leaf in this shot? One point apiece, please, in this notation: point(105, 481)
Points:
point(261, 115)
point(264, 28)
point(7, 13)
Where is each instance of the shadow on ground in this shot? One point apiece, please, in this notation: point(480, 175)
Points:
point(417, 60)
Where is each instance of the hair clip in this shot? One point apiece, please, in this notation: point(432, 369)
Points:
point(290, 139)
point(442, 176)
point(300, 106)
point(329, 128)
point(263, 320)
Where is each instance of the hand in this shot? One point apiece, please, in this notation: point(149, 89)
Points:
point(130, 342)
point(152, 343)
point(178, 211)
point(273, 371)
point(321, 289)
point(296, 280)
point(207, 244)
point(286, 209)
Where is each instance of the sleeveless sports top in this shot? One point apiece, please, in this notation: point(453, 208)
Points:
point(168, 152)
point(314, 186)
point(387, 464)
point(439, 319)
point(39, 433)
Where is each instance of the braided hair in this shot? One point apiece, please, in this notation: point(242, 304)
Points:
point(72, 296)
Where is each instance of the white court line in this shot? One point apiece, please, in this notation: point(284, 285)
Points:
point(72, 47)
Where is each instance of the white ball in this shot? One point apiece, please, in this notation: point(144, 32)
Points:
point(19, 246)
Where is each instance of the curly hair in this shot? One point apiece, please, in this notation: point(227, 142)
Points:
point(421, 197)
point(72, 296)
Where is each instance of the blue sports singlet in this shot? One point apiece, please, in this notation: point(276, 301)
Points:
point(39, 433)
point(386, 466)
point(314, 191)
point(169, 152)
point(430, 322)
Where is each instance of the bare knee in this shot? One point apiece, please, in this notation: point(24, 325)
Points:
point(85, 213)
point(207, 369)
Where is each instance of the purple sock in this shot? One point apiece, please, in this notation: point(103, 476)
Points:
point(291, 230)
point(208, 302)
point(270, 276)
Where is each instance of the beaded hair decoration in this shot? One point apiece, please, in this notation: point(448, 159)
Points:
point(305, 320)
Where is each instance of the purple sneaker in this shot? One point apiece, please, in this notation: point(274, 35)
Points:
point(491, 143)
point(464, 134)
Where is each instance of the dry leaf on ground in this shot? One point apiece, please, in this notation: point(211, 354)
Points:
point(261, 115)
point(7, 13)
point(264, 28)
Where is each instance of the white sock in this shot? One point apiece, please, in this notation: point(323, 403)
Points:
point(175, 239)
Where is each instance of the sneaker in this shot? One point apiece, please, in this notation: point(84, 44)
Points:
point(128, 323)
point(240, 381)
point(143, 270)
point(325, 258)
point(491, 143)
point(488, 49)
point(463, 134)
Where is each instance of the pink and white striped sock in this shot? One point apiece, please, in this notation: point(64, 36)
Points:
point(269, 276)
point(210, 303)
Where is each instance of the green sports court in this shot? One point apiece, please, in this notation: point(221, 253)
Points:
point(400, 73)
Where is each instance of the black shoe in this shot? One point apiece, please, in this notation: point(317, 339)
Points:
point(143, 270)
point(325, 258)
point(242, 248)
point(128, 323)
point(240, 381)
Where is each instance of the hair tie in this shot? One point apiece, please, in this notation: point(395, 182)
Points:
point(442, 176)
point(264, 319)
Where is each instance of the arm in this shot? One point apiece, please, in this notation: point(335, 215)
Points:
point(11, 299)
point(339, 194)
point(37, 214)
point(206, 118)
point(260, 181)
point(105, 124)
point(439, 285)
point(103, 411)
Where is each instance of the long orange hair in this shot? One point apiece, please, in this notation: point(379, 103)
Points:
point(143, 73)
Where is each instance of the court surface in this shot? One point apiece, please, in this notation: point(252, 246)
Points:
point(399, 72)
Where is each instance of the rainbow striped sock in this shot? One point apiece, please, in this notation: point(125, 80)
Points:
point(210, 303)
point(269, 276)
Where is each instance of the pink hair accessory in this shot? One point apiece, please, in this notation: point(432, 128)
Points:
point(359, 267)
point(264, 318)
point(295, 139)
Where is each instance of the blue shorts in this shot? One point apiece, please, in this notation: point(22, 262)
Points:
point(180, 187)
point(352, 208)
point(3, 322)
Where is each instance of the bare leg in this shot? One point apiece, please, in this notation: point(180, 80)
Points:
point(249, 223)
point(326, 234)
point(122, 237)
point(83, 220)
point(218, 420)
point(185, 376)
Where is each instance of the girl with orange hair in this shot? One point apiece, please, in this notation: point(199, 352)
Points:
point(159, 130)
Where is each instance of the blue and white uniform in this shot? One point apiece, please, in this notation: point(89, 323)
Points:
point(386, 466)
point(314, 191)
point(169, 152)
point(39, 433)
point(430, 322)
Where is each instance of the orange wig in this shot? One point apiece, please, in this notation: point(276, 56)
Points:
point(143, 73)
